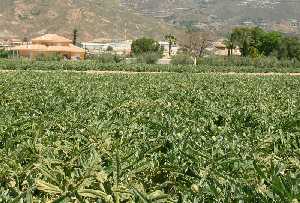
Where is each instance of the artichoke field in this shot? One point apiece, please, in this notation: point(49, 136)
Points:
point(75, 137)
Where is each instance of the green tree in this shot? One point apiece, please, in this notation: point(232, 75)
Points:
point(255, 41)
point(269, 42)
point(243, 39)
point(171, 39)
point(289, 48)
point(145, 45)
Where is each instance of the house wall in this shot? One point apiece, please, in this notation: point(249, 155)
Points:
point(34, 54)
point(26, 54)
point(80, 56)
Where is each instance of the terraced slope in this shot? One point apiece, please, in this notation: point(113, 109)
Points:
point(94, 18)
point(132, 18)
point(222, 14)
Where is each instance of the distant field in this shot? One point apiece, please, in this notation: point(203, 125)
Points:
point(149, 137)
point(214, 65)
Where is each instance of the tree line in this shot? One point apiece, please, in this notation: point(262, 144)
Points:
point(252, 42)
point(255, 42)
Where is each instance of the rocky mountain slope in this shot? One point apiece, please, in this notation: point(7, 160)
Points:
point(221, 15)
point(127, 19)
point(93, 18)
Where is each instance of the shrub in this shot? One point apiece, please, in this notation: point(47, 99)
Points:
point(107, 58)
point(5, 54)
point(213, 64)
point(148, 58)
point(51, 57)
point(259, 62)
point(145, 45)
point(109, 48)
point(182, 59)
point(253, 52)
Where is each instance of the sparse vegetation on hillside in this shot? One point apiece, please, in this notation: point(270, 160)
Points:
point(222, 15)
point(96, 19)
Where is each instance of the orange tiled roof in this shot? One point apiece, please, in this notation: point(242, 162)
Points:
point(51, 38)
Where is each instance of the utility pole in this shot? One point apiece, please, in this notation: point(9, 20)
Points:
point(77, 24)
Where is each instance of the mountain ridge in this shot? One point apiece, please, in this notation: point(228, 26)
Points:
point(222, 15)
point(129, 19)
point(93, 19)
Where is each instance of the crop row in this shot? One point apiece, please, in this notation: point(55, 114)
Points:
point(209, 66)
point(148, 138)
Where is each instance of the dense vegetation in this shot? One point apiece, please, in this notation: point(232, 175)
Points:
point(149, 138)
point(256, 42)
point(214, 64)
point(106, 58)
point(182, 59)
point(147, 50)
point(5, 54)
point(51, 57)
point(145, 45)
point(148, 58)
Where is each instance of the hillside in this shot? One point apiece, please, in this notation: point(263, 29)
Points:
point(93, 18)
point(133, 18)
point(221, 15)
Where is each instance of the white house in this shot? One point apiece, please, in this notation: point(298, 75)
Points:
point(118, 47)
point(165, 45)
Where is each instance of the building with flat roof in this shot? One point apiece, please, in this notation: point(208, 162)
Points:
point(118, 47)
point(165, 45)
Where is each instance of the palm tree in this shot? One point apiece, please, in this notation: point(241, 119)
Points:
point(243, 39)
point(171, 40)
point(75, 35)
point(230, 44)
